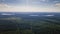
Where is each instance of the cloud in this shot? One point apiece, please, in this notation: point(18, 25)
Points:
point(4, 6)
point(12, 2)
point(57, 4)
point(23, 8)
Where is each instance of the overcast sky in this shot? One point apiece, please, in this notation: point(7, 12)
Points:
point(30, 5)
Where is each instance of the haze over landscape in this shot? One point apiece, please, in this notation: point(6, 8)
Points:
point(29, 16)
point(29, 5)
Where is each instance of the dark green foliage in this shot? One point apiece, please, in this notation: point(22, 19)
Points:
point(30, 25)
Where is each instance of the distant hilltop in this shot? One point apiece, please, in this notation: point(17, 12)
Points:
point(11, 18)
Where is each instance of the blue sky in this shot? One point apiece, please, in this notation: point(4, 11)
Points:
point(30, 5)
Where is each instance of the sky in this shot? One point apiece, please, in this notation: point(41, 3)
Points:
point(29, 5)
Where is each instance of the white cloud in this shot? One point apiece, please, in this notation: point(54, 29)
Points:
point(57, 4)
point(5, 7)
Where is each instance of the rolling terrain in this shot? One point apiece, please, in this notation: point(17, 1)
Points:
point(29, 23)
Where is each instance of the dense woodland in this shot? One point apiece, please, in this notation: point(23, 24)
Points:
point(30, 25)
